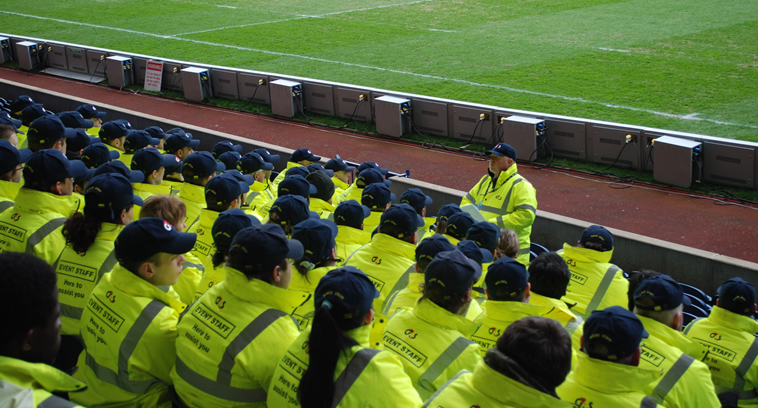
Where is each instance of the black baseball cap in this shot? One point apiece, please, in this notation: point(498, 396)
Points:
point(452, 272)
point(428, 248)
point(148, 236)
point(117, 166)
point(473, 251)
point(347, 292)
point(112, 191)
point(112, 130)
point(290, 209)
point(338, 164)
point(229, 159)
point(504, 149)
point(49, 128)
point(265, 245)
point(21, 102)
point(737, 295)
point(318, 167)
point(596, 233)
point(139, 139)
point(228, 224)
point(75, 120)
point(149, 159)
point(46, 167)
point(10, 157)
point(317, 236)
point(178, 140)
point(251, 162)
point(403, 218)
point(323, 183)
point(377, 196)
point(224, 189)
point(458, 224)
point(507, 278)
point(90, 111)
point(96, 154)
point(32, 112)
point(267, 156)
point(351, 213)
point(485, 234)
point(659, 293)
point(612, 333)
point(156, 132)
point(297, 185)
point(416, 198)
point(223, 147)
point(201, 165)
point(370, 176)
point(304, 154)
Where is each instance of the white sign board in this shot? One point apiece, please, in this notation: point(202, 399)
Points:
point(153, 75)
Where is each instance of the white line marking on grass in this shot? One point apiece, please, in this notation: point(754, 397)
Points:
point(304, 17)
point(395, 71)
point(229, 7)
point(612, 49)
point(443, 31)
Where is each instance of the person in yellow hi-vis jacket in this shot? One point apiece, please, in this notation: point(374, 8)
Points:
point(300, 157)
point(729, 335)
point(129, 324)
point(232, 337)
point(30, 338)
point(331, 363)
point(90, 112)
point(432, 339)
point(532, 358)
point(342, 172)
point(152, 164)
point(349, 216)
point(197, 169)
point(548, 278)
point(11, 170)
point(506, 198)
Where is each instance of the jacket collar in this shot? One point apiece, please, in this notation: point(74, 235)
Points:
point(611, 378)
point(299, 282)
point(733, 320)
point(318, 205)
point(506, 311)
point(257, 186)
point(361, 335)
point(559, 305)
point(452, 240)
point(352, 235)
point(207, 217)
point(258, 291)
point(109, 232)
point(44, 203)
point(429, 312)
point(491, 383)
point(193, 193)
point(133, 285)
point(505, 175)
point(9, 189)
point(673, 338)
point(587, 255)
point(414, 282)
point(384, 242)
point(339, 183)
point(35, 375)
point(375, 218)
point(163, 189)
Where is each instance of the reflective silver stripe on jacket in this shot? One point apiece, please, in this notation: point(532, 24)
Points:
point(426, 379)
point(55, 402)
point(354, 368)
point(221, 387)
point(399, 285)
point(4, 205)
point(250, 197)
point(503, 210)
point(121, 378)
point(42, 233)
point(672, 376)
point(187, 264)
point(74, 312)
point(436, 393)
point(602, 289)
point(692, 324)
point(741, 371)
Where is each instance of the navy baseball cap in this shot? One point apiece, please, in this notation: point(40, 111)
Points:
point(229, 159)
point(370, 176)
point(9, 122)
point(485, 234)
point(244, 178)
point(506, 279)
point(347, 292)
point(430, 247)
point(403, 218)
point(371, 165)
point(612, 334)
point(223, 147)
point(90, 111)
point(596, 233)
point(290, 209)
point(32, 112)
point(267, 156)
point(179, 140)
point(297, 185)
point(80, 141)
point(265, 246)
point(318, 167)
point(298, 171)
point(46, 167)
point(452, 272)
point(222, 190)
point(447, 210)
point(504, 149)
point(317, 237)
point(21, 102)
point(351, 213)
point(323, 183)
point(117, 166)
point(49, 128)
point(228, 224)
point(10, 157)
point(75, 120)
point(303, 154)
point(139, 139)
point(416, 198)
point(148, 236)
point(96, 154)
point(177, 131)
point(149, 159)
point(15, 122)
point(338, 164)
point(376, 196)
point(126, 123)
point(112, 130)
point(472, 251)
point(201, 165)
point(156, 132)
point(251, 162)
point(175, 166)
point(737, 295)
point(112, 191)
point(659, 293)
point(458, 224)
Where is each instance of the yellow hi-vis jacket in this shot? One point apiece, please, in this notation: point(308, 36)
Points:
point(560, 313)
point(204, 249)
point(595, 282)
point(351, 193)
point(33, 225)
point(145, 191)
point(497, 316)
point(432, 344)
point(210, 278)
point(78, 274)
point(129, 331)
point(176, 186)
point(339, 187)
point(511, 203)
point(23, 141)
point(732, 351)
point(189, 280)
point(349, 239)
point(408, 297)
point(259, 199)
point(194, 199)
point(230, 341)
point(93, 131)
point(308, 283)
point(8, 193)
point(596, 383)
point(487, 388)
point(280, 177)
point(126, 158)
point(322, 208)
point(388, 262)
point(372, 221)
point(24, 384)
point(686, 381)
point(363, 377)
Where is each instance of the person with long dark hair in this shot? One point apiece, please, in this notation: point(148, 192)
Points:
point(331, 364)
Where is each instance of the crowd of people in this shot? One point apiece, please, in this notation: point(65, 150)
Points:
point(138, 272)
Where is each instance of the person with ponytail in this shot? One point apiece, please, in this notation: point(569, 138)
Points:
point(317, 237)
point(331, 365)
point(89, 253)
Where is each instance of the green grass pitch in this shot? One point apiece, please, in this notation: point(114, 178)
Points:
point(689, 65)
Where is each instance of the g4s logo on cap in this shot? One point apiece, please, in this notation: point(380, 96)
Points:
point(167, 226)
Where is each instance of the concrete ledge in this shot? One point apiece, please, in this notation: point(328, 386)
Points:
point(703, 269)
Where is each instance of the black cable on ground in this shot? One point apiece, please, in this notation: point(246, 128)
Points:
point(350, 119)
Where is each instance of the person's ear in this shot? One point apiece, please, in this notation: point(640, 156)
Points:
point(369, 317)
point(154, 174)
point(416, 266)
point(636, 358)
point(234, 204)
point(414, 240)
point(56, 188)
point(59, 146)
point(487, 292)
point(527, 292)
point(581, 343)
point(276, 274)
point(146, 271)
